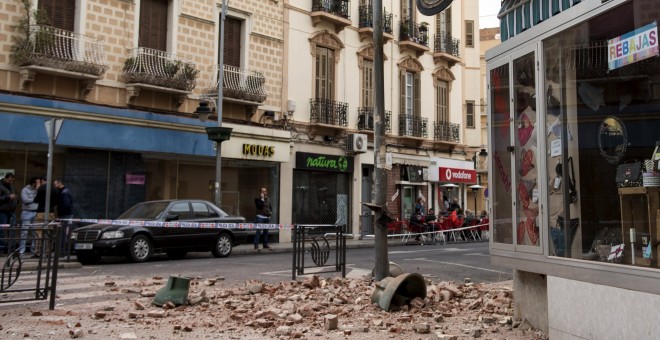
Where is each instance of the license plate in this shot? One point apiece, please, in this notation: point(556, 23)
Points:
point(81, 246)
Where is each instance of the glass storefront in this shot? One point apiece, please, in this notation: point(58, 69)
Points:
point(106, 183)
point(595, 160)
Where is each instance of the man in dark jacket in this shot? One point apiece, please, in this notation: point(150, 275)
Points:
point(8, 203)
point(264, 210)
point(64, 212)
point(41, 217)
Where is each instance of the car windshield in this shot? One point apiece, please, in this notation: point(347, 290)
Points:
point(144, 211)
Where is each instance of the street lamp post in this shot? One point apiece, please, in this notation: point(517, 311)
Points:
point(217, 134)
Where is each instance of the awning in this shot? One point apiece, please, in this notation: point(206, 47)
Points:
point(404, 159)
point(519, 15)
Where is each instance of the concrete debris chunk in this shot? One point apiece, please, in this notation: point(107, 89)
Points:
point(138, 305)
point(331, 322)
point(423, 328)
point(128, 336)
point(283, 330)
point(75, 333)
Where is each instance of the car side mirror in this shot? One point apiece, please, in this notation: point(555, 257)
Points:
point(171, 217)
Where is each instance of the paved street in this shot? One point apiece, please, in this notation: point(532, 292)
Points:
point(440, 262)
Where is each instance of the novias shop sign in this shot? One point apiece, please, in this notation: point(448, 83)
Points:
point(320, 162)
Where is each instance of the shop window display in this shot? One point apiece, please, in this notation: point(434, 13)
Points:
point(601, 130)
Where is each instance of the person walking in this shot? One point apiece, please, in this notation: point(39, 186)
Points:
point(8, 203)
point(28, 213)
point(264, 210)
point(64, 212)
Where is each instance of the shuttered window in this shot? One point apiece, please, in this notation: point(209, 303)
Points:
point(153, 24)
point(232, 42)
point(408, 9)
point(60, 13)
point(469, 111)
point(469, 33)
point(410, 94)
point(442, 102)
point(443, 22)
point(325, 73)
point(368, 83)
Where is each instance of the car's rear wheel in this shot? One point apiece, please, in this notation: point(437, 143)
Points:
point(176, 254)
point(140, 249)
point(88, 257)
point(223, 245)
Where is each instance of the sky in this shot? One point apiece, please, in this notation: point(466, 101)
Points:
point(488, 13)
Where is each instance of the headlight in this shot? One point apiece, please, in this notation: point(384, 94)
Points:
point(74, 235)
point(112, 234)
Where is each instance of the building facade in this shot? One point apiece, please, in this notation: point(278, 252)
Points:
point(128, 76)
point(574, 204)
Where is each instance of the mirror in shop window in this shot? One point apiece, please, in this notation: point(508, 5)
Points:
point(612, 139)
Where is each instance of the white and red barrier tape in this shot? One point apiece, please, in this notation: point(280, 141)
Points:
point(206, 225)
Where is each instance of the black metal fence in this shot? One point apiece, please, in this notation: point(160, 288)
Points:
point(33, 253)
point(367, 18)
point(445, 43)
point(366, 119)
point(410, 31)
point(340, 8)
point(447, 132)
point(330, 112)
point(413, 126)
point(313, 245)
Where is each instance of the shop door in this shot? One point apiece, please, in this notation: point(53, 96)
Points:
point(366, 219)
point(407, 201)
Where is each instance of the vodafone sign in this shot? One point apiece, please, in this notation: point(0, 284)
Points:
point(457, 175)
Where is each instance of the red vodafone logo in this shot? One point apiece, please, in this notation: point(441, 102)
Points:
point(457, 175)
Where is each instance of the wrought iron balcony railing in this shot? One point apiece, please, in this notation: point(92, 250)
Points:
point(444, 43)
point(329, 112)
point(340, 8)
point(61, 49)
point(447, 132)
point(413, 126)
point(367, 18)
point(241, 84)
point(366, 119)
point(410, 31)
point(158, 68)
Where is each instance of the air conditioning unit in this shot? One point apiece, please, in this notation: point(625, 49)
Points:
point(356, 143)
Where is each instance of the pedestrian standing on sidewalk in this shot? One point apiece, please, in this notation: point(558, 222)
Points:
point(264, 210)
point(64, 212)
point(8, 203)
point(41, 212)
point(28, 213)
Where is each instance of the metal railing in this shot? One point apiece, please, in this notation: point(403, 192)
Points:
point(158, 68)
point(319, 239)
point(447, 132)
point(410, 31)
point(240, 84)
point(326, 111)
point(445, 43)
point(26, 278)
point(367, 18)
point(61, 49)
point(366, 119)
point(340, 8)
point(413, 126)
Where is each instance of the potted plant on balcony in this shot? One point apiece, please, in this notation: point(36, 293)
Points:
point(31, 38)
point(424, 26)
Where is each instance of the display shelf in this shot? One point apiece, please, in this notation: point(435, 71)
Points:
point(640, 209)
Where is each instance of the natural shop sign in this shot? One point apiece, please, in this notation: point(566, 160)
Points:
point(258, 150)
point(319, 162)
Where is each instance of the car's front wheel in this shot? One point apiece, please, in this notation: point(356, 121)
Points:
point(223, 245)
point(141, 248)
point(88, 257)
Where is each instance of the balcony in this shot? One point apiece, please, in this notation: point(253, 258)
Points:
point(326, 114)
point(366, 29)
point(413, 126)
point(446, 48)
point(413, 37)
point(159, 71)
point(447, 132)
point(239, 85)
point(55, 51)
point(336, 12)
point(366, 119)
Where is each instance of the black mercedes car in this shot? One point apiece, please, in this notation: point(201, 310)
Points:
point(143, 230)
